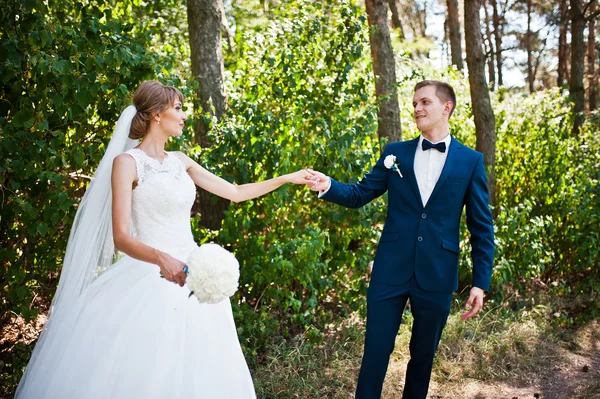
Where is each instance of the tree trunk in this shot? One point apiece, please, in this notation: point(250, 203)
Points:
point(563, 48)
point(577, 63)
point(422, 15)
point(384, 69)
point(530, 77)
point(480, 96)
point(204, 24)
point(591, 57)
point(490, 46)
point(227, 29)
point(396, 21)
point(498, 40)
point(454, 33)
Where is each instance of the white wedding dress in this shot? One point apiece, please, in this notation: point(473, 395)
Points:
point(132, 334)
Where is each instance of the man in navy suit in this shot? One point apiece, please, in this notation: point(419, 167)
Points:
point(429, 181)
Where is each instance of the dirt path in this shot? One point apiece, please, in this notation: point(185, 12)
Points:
point(576, 376)
point(563, 373)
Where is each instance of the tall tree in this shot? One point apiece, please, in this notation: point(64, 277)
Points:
point(563, 47)
point(454, 33)
point(578, 50)
point(528, 46)
point(490, 48)
point(416, 16)
point(498, 39)
point(591, 58)
point(396, 21)
point(385, 70)
point(577, 62)
point(480, 97)
point(204, 25)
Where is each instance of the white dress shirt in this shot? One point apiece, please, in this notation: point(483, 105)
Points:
point(428, 168)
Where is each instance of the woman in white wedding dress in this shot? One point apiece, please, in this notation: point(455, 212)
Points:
point(129, 333)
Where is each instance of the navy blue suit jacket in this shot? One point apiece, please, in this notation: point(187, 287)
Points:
point(424, 240)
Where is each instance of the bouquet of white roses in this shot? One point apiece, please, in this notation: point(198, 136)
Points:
point(213, 273)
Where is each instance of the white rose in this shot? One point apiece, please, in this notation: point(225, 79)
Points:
point(389, 161)
point(213, 273)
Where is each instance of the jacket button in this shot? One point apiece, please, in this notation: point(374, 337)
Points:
point(423, 216)
point(420, 238)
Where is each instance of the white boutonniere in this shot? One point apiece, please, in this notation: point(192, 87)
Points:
point(390, 163)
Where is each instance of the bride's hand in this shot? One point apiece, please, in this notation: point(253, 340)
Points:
point(172, 269)
point(299, 177)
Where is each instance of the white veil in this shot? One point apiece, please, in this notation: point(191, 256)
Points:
point(90, 248)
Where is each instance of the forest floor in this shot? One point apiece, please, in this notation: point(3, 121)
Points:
point(486, 358)
point(564, 370)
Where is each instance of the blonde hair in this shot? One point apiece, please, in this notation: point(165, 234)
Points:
point(150, 99)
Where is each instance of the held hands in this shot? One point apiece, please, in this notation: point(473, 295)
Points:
point(474, 303)
point(172, 269)
point(318, 181)
point(299, 177)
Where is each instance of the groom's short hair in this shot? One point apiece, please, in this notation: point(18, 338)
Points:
point(443, 90)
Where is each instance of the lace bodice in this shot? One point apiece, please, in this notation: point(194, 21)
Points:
point(161, 204)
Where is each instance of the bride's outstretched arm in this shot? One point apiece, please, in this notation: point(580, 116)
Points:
point(123, 176)
point(221, 187)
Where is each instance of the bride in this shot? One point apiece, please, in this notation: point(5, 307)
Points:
point(130, 333)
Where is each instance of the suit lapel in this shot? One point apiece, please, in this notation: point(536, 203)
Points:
point(451, 159)
point(409, 167)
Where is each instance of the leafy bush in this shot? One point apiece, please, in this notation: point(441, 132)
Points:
point(300, 97)
point(548, 225)
point(66, 77)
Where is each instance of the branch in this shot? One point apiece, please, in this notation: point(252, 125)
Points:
point(592, 16)
point(587, 6)
point(537, 59)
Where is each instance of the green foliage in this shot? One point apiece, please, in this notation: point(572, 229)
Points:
point(548, 225)
point(301, 94)
point(300, 97)
point(66, 76)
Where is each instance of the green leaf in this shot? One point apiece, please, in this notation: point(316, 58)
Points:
point(62, 66)
point(42, 229)
point(79, 158)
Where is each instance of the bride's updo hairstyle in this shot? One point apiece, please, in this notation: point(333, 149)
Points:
point(149, 99)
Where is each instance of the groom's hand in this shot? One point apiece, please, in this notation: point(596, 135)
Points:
point(474, 303)
point(319, 181)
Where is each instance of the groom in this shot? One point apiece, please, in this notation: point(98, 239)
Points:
point(429, 181)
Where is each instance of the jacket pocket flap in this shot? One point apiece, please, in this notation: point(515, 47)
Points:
point(389, 237)
point(450, 246)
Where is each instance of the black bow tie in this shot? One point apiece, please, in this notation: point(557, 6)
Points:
point(441, 147)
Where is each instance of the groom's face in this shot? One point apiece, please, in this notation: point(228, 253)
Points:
point(429, 110)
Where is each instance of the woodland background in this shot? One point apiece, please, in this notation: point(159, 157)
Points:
point(273, 86)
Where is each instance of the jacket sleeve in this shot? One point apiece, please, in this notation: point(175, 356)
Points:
point(373, 185)
point(481, 227)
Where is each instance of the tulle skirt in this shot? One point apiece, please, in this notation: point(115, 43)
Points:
point(133, 334)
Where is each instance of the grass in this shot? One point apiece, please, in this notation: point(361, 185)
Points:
point(514, 348)
point(301, 369)
point(507, 350)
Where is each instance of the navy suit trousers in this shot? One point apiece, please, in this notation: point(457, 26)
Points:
point(385, 305)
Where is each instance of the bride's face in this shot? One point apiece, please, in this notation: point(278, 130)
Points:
point(172, 120)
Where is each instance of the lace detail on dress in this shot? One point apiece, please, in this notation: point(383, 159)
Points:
point(147, 166)
point(161, 203)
